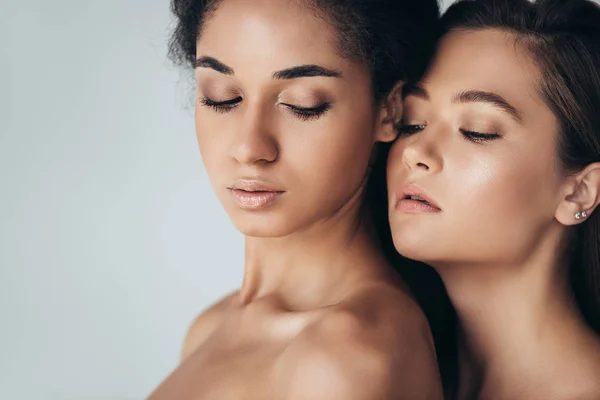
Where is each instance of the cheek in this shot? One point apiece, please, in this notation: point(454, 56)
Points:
point(506, 199)
point(336, 162)
point(333, 154)
point(212, 145)
point(492, 188)
point(393, 161)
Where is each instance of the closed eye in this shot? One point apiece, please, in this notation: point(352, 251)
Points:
point(472, 136)
point(407, 130)
point(479, 137)
point(304, 113)
point(308, 113)
point(221, 106)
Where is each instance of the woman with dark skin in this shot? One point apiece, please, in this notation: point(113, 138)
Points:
point(495, 182)
point(294, 97)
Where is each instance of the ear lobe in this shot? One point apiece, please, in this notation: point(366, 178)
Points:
point(582, 196)
point(391, 115)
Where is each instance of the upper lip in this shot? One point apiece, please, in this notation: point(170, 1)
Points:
point(254, 185)
point(414, 190)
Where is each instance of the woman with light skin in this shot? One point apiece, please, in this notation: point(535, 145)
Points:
point(293, 100)
point(495, 182)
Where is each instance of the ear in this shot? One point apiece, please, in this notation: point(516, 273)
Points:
point(582, 196)
point(390, 115)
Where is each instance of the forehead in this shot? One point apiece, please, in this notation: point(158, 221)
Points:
point(490, 60)
point(273, 33)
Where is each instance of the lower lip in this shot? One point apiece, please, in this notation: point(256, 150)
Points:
point(254, 200)
point(415, 207)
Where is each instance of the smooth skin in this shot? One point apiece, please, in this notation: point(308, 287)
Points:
point(320, 314)
point(505, 205)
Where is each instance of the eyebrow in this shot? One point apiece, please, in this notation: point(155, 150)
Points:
point(471, 96)
point(301, 71)
point(306, 71)
point(477, 96)
point(213, 63)
point(414, 90)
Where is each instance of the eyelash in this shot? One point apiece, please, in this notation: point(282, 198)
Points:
point(478, 137)
point(406, 130)
point(472, 136)
point(303, 113)
point(221, 106)
point(307, 114)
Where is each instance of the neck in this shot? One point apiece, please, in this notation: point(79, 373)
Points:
point(515, 319)
point(314, 267)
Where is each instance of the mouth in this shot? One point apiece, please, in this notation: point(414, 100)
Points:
point(413, 200)
point(254, 195)
point(419, 199)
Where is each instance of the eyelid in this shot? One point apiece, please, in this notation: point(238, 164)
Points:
point(300, 108)
point(220, 106)
point(208, 101)
point(479, 137)
point(481, 133)
point(409, 129)
point(308, 113)
point(303, 113)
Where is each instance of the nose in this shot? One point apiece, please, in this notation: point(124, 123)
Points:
point(254, 141)
point(420, 152)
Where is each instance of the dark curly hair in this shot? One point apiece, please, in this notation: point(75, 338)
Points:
point(393, 38)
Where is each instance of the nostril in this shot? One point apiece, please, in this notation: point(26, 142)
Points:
point(422, 165)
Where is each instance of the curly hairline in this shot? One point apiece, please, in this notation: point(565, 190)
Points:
point(352, 39)
point(191, 16)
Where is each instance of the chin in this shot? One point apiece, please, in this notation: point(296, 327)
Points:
point(433, 253)
point(414, 254)
point(261, 226)
point(414, 246)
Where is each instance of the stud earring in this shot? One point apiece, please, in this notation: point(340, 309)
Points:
point(581, 215)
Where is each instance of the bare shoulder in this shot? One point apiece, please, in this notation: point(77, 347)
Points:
point(204, 324)
point(376, 345)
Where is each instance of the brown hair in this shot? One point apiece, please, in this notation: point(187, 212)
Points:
point(563, 38)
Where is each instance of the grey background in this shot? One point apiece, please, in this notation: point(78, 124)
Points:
point(111, 239)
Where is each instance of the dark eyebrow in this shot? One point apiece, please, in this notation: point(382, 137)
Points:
point(213, 63)
point(301, 71)
point(305, 71)
point(414, 90)
point(477, 96)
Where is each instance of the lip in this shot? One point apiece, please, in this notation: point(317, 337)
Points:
point(414, 206)
point(254, 195)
